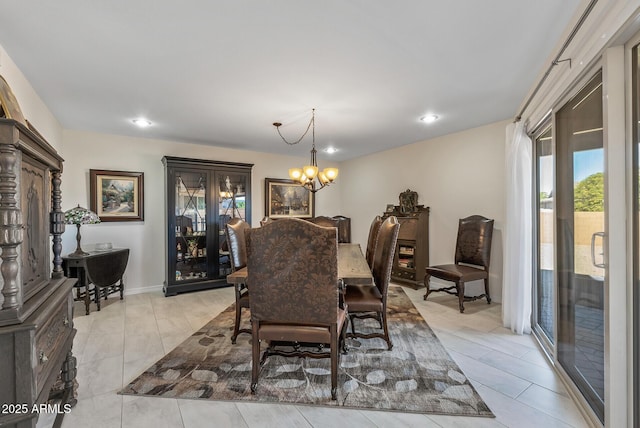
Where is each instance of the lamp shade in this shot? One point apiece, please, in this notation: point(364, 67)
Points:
point(79, 215)
point(310, 171)
point(295, 173)
point(331, 173)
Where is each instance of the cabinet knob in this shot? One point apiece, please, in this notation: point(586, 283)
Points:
point(43, 357)
point(65, 322)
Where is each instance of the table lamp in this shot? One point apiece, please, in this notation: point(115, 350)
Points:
point(80, 216)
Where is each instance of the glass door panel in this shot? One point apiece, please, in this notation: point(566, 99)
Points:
point(231, 196)
point(544, 288)
point(191, 261)
point(580, 230)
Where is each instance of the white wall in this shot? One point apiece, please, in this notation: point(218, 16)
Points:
point(457, 175)
point(84, 151)
point(33, 108)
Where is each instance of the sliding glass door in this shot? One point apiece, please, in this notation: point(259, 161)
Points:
point(580, 258)
point(544, 315)
point(635, 185)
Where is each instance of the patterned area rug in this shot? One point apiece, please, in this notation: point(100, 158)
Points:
point(417, 375)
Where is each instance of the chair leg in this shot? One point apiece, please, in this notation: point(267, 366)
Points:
point(97, 290)
point(335, 354)
point(255, 355)
point(343, 337)
point(460, 288)
point(486, 290)
point(386, 329)
point(236, 327)
point(427, 277)
point(121, 289)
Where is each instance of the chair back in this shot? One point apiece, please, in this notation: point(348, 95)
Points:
point(344, 229)
point(385, 249)
point(293, 271)
point(105, 274)
point(236, 239)
point(324, 221)
point(473, 245)
point(371, 241)
point(265, 220)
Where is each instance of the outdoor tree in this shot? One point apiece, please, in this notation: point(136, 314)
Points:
point(589, 194)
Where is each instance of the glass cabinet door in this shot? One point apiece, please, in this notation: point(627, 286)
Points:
point(232, 203)
point(191, 258)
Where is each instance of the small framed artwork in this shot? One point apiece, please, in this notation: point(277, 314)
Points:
point(287, 199)
point(117, 195)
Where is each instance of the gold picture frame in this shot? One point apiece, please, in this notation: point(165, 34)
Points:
point(117, 195)
point(287, 199)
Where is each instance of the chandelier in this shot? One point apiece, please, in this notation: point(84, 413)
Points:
point(306, 175)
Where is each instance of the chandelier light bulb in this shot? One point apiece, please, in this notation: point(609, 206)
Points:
point(310, 171)
point(295, 174)
point(331, 173)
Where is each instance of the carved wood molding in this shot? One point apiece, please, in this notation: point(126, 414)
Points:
point(11, 227)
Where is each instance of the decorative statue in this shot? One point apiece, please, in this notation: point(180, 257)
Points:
point(408, 201)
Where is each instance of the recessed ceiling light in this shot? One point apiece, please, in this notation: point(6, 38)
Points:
point(330, 150)
point(141, 122)
point(430, 118)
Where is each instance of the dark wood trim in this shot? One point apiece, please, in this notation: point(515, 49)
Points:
point(188, 162)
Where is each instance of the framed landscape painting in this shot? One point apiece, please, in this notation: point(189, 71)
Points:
point(287, 199)
point(117, 195)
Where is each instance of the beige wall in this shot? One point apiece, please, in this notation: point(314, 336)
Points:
point(84, 151)
point(457, 175)
point(364, 188)
point(33, 108)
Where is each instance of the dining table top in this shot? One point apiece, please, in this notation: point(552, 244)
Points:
point(352, 267)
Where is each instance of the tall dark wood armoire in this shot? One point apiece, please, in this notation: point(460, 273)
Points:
point(36, 304)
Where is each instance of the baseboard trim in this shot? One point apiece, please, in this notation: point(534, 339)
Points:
point(141, 290)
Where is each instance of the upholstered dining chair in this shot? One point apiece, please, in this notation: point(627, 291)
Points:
point(371, 241)
point(344, 229)
point(324, 221)
point(473, 254)
point(292, 270)
point(107, 278)
point(236, 237)
point(366, 301)
point(265, 220)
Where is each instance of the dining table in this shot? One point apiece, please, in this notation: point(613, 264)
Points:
point(352, 267)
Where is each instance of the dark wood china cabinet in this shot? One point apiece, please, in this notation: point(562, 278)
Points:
point(36, 304)
point(412, 249)
point(201, 197)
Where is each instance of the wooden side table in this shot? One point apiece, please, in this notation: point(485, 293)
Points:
point(90, 269)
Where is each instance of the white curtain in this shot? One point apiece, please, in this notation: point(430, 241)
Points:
point(518, 231)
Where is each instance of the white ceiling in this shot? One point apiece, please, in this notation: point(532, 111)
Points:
point(221, 72)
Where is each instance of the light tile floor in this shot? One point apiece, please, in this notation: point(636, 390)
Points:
point(116, 344)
